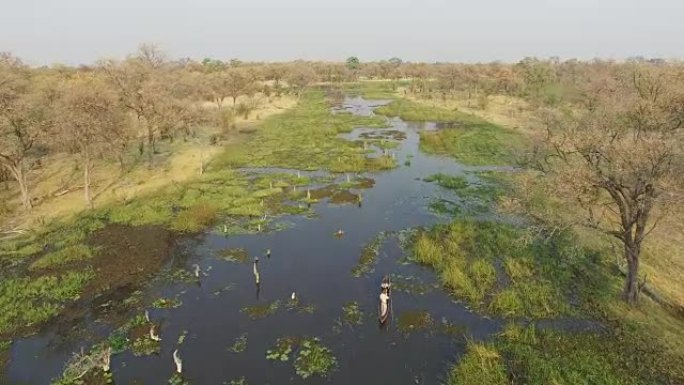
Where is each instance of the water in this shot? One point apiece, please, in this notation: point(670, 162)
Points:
point(308, 259)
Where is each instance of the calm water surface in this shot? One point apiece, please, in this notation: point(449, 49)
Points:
point(309, 260)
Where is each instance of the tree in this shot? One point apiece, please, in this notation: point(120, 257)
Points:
point(353, 63)
point(145, 86)
point(235, 82)
point(621, 155)
point(395, 61)
point(89, 117)
point(24, 117)
point(300, 76)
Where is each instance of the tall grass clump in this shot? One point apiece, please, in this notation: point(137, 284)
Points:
point(195, 218)
point(482, 364)
point(427, 251)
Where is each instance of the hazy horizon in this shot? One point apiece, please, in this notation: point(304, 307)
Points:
point(81, 31)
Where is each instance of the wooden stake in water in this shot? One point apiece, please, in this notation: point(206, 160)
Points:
point(177, 360)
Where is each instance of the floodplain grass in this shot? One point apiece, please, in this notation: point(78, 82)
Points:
point(463, 254)
point(306, 138)
point(63, 256)
point(26, 302)
point(467, 138)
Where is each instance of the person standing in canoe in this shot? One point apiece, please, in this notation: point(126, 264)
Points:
point(384, 300)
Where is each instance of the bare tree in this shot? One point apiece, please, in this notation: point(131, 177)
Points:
point(89, 117)
point(300, 76)
point(24, 114)
point(621, 156)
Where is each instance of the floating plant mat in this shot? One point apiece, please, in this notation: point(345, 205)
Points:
point(261, 310)
point(312, 357)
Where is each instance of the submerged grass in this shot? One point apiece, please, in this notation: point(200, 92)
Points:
point(369, 255)
point(262, 310)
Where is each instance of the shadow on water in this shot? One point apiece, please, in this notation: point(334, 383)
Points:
point(309, 260)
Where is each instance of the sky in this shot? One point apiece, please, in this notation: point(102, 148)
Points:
point(82, 31)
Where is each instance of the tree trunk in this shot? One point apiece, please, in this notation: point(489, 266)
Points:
point(18, 173)
point(631, 290)
point(86, 178)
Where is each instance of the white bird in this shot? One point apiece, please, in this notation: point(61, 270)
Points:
point(293, 296)
point(197, 271)
point(348, 180)
point(308, 194)
point(154, 337)
point(268, 252)
point(225, 228)
point(299, 174)
point(177, 360)
point(147, 315)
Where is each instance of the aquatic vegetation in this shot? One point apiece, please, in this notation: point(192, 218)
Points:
point(237, 254)
point(471, 140)
point(448, 181)
point(482, 364)
point(87, 368)
point(296, 305)
point(305, 138)
point(552, 357)
point(282, 349)
point(177, 379)
point(415, 112)
point(182, 337)
point(145, 346)
point(352, 314)
point(378, 90)
point(238, 381)
point(240, 344)
point(118, 341)
point(369, 255)
point(314, 359)
point(451, 329)
point(27, 302)
point(411, 285)
point(261, 310)
point(166, 303)
point(179, 275)
point(464, 253)
point(411, 321)
point(427, 251)
point(473, 196)
point(224, 289)
point(195, 218)
point(63, 256)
